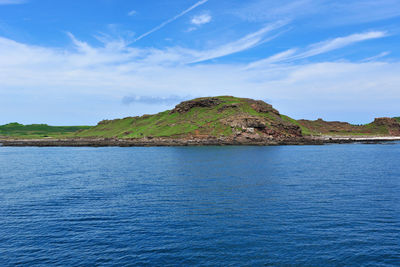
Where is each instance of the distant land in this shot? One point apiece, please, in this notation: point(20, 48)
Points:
point(222, 120)
point(17, 130)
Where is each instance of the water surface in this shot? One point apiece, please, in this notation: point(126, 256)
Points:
point(211, 206)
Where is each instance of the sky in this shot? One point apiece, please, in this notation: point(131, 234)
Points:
point(78, 62)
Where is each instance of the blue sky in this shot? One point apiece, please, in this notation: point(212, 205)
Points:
point(78, 62)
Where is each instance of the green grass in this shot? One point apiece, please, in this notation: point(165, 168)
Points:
point(304, 130)
point(320, 127)
point(375, 129)
point(397, 118)
point(17, 130)
point(197, 121)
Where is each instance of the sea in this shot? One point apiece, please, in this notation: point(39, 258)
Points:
point(330, 205)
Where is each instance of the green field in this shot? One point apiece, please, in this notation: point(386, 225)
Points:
point(17, 130)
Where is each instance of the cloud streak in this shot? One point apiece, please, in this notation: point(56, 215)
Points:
point(245, 43)
point(162, 25)
point(319, 48)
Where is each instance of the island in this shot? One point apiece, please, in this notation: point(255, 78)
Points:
point(221, 120)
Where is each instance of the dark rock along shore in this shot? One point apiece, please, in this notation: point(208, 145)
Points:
point(192, 142)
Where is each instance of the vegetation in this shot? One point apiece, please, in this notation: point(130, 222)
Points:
point(197, 121)
point(379, 127)
point(221, 116)
point(17, 130)
point(304, 130)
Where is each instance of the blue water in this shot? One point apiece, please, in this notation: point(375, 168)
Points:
point(327, 205)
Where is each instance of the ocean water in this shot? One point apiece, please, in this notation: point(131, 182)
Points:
point(329, 205)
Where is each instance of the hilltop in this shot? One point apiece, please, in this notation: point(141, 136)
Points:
point(225, 117)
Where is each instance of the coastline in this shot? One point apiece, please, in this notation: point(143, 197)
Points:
point(110, 142)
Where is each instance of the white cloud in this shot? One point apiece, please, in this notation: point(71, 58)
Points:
point(247, 42)
point(132, 13)
point(340, 42)
point(42, 77)
point(201, 19)
point(319, 48)
point(12, 2)
point(162, 25)
point(374, 58)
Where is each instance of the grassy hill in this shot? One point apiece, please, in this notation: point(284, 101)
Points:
point(223, 116)
point(17, 130)
point(230, 117)
point(208, 117)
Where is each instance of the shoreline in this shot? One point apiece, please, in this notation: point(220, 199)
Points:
point(148, 142)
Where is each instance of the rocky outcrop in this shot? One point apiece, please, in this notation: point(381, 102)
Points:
point(201, 102)
point(229, 106)
point(259, 127)
point(261, 107)
point(245, 122)
point(290, 129)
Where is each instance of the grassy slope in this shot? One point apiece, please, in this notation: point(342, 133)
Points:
point(319, 127)
point(17, 130)
point(398, 119)
point(198, 121)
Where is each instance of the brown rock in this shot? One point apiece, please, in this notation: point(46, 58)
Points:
point(261, 106)
point(201, 102)
point(228, 106)
point(245, 122)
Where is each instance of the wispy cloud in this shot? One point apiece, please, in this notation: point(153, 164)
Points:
point(340, 42)
point(12, 2)
point(247, 42)
point(374, 58)
point(132, 13)
point(105, 75)
point(201, 19)
point(199, 3)
point(319, 48)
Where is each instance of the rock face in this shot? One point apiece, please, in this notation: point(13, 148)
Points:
point(245, 122)
point(261, 106)
point(201, 102)
point(229, 106)
point(291, 129)
point(253, 127)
